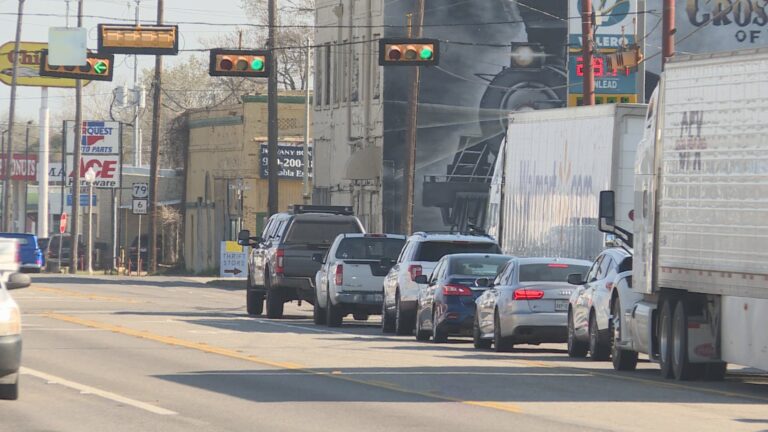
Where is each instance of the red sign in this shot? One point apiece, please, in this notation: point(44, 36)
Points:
point(22, 168)
point(63, 223)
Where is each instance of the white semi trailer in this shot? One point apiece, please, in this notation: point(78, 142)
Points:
point(697, 297)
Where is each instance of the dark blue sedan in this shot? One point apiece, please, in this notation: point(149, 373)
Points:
point(446, 304)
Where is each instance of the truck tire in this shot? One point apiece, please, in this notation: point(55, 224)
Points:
point(682, 368)
point(387, 321)
point(500, 344)
point(334, 315)
point(254, 302)
point(477, 339)
point(402, 326)
point(318, 313)
point(599, 350)
point(576, 348)
point(274, 299)
point(623, 360)
point(665, 338)
point(9, 391)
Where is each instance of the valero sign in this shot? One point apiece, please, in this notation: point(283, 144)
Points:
point(28, 73)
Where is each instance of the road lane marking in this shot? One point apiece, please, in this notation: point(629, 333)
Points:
point(76, 294)
point(170, 340)
point(88, 390)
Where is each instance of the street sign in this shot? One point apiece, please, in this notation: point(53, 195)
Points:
point(63, 223)
point(68, 46)
point(141, 190)
point(28, 73)
point(140, 206)
point(83, 200)
point(145, 39)
point(234, 260)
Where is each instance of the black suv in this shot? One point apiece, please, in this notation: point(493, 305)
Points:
point(280, 265)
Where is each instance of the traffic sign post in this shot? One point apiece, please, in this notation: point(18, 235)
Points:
point(140, 206)
point(63, 224)
point(140, 192)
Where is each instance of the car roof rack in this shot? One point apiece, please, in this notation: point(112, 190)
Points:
point(306, 208)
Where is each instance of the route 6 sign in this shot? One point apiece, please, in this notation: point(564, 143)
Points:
point(141, 191)
point(139, 206)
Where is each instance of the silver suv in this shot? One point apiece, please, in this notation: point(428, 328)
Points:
point(420, 255)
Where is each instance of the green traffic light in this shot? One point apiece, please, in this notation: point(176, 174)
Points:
point(100, 67)
point(257, 64)
point(426, 53)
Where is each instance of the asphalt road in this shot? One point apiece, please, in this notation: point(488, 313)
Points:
point(173, 354)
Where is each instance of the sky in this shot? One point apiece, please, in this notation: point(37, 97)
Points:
point(35, 29)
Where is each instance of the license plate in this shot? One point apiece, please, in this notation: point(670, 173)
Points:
point(561, 305)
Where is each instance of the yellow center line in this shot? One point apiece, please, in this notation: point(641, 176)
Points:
point(174, 341)
point(76, 294)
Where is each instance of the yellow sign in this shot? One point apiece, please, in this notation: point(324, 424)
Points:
point(28, 73)
point(575, 99)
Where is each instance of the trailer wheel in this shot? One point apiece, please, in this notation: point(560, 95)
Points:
point(665, 338)
point(623, 360)
point(682, 368)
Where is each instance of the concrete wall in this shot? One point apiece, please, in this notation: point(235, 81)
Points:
point(225, 145)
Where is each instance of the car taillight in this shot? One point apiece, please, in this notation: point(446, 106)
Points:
point(414, 270)
point(528, 294)
point(339, 275)
point(280, 257)
point(456, 290)
point(609, 286)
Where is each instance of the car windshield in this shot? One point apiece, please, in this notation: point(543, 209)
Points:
point(549, 272)
point(369, 248)
point(480, 266)
point(319, 232)
point(432, 251)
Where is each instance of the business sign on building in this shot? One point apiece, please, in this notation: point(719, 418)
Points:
point(290, 160)
point(614, 30)
point(23, 167)
point(233, 261)
point(100, 149)
point(28, 66)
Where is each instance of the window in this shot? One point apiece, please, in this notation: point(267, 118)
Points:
point(503, 273)
point(345, 54)
point(354, 92)
point(605, 267)
point(432, 251)
point(337, 68)
point(369, 248)
point(319, 77)
point(477, 266)
point(328, 71)
point(376, 69)
point(592, 275)
point(552, 272)
point(404, 253)
point(436, 273)
point(318, 232)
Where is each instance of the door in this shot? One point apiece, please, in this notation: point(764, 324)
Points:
point(486, 303)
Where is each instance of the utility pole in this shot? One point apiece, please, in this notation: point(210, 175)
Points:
point(587, 45)
point(668, 37)
point(42, 167)
point(412, 127)
point(272, 131)
point(26, 178)
point(138, 93)
point(75, 226)
point(11, 118)
point(307, 190)
point(154, 161)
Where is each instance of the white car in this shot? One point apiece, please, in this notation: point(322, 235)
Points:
point(10, 337)
point(589, 309)
point(351, 274)
point(419, 257)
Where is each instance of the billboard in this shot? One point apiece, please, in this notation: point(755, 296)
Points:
point(100, 149)
point(464, 102)
point(614, 30)
point(23, 167)
point(290, 161)
point(28, 73)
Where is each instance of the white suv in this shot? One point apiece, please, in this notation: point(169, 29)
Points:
point(420, 255)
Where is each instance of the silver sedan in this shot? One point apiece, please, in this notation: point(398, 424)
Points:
point(526, 303)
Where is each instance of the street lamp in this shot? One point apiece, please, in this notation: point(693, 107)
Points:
point(90, 177)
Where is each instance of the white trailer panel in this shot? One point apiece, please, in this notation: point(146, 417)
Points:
point(713, 205)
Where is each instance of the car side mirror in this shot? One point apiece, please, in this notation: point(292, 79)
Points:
point(483, 283)
point(318, 258)
point(421, 280)
point(576, 279)
point(244, 238)
point(18, 281)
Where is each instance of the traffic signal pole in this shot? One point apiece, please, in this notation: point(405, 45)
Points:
point(75, 229)
point(8, 166)
point(154, 161)
point(412, 128)
point(587, 45)
point(272, 126)
point(668, 37)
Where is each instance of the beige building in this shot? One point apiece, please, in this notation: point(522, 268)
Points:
point(226, 185)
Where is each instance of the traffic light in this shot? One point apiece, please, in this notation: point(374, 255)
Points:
point(628, 59)
point(239, 63)
point(98, 67)
point(528, 56)
point(145, 39)
point(409, 52)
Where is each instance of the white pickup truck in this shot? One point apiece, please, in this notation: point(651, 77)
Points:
point(700, 226)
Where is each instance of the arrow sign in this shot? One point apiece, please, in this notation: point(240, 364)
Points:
point(100, 67)
point(235, 271)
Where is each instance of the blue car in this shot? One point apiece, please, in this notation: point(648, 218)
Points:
point(30, 255)
point(446, 303)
